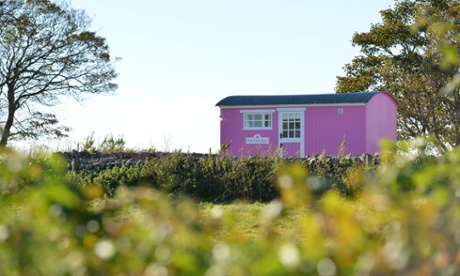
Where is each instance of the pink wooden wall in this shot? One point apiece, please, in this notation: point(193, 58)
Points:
point(325, 129)
point(232, 133)
point(360, 126)
point(380, 121)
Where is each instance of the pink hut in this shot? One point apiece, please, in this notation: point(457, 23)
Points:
point(300, 125)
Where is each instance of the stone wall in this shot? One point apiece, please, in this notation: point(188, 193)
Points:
point(84, 160)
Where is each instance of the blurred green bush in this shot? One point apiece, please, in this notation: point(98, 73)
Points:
point(403, 220)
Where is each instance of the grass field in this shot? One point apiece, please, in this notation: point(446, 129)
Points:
point(248, 220)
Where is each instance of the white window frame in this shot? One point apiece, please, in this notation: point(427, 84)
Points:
point(263, 113)
point(299, 121)
point(302, 123)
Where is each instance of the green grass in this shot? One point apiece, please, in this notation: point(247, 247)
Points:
point(249, 221)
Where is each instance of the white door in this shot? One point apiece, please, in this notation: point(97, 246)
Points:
point(291, 132)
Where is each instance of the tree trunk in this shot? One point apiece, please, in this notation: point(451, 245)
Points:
point(6, 130)
point(456, 118)
point(9, 121)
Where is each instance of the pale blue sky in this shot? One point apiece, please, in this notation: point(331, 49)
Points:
point(180, 57)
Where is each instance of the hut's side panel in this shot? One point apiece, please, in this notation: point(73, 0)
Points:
point(326, 127)
point(242, 141)
point(381, 112)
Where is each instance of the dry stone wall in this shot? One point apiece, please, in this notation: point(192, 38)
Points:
point(87, 161)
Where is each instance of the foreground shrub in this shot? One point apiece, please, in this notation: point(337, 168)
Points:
point(404, 221)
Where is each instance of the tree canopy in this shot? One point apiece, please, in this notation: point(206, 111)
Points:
point(46, 52)
point(413, 54)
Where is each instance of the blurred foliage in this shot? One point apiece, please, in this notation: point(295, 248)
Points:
point(413, 53)
point(404, 220)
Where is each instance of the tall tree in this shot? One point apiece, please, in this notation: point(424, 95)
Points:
point(47, 52)
point(413, 54)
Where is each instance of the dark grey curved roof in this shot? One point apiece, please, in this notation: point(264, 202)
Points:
point(340, 98)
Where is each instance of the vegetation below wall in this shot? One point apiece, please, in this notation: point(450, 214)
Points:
point(213, 177)
point(403, 220)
